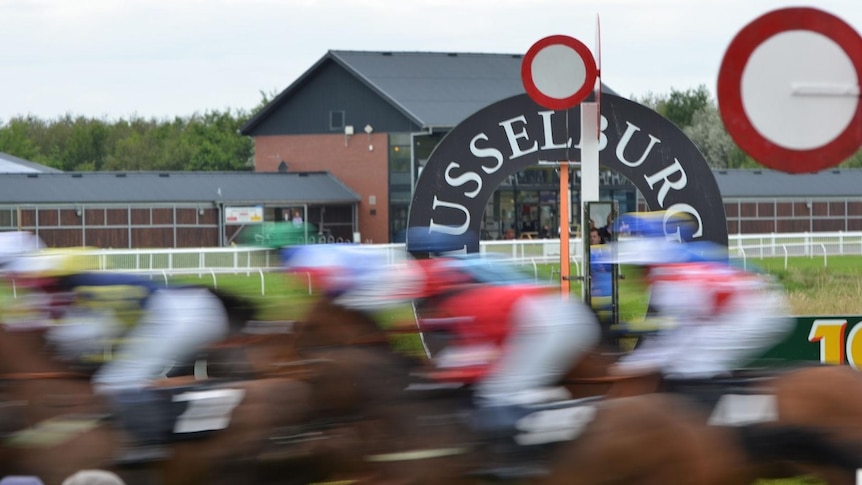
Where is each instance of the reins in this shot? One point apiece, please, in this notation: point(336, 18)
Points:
point(23, 376)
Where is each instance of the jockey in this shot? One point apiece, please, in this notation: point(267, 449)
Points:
point(159, 326)
point(717, 317)
point(515, 338)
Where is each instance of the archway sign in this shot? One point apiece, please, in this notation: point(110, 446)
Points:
point(559, 72)
point(788, 90)
point(506, 137)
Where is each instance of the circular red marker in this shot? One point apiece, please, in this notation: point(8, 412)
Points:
point(788, 90)
point(558, 72)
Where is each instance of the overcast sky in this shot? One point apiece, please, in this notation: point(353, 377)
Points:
point(165, 58)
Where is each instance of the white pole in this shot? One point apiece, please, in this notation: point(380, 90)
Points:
point(589, 172)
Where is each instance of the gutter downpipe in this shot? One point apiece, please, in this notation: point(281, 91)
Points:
point(221, 227)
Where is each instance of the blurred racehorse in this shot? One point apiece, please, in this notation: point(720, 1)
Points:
point(53, 425)
point(819, 402)
point(420, 436)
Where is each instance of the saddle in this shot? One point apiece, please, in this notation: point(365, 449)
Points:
point(160, 415)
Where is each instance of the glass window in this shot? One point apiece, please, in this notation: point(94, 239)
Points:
point(400, 188)
point(336, 120)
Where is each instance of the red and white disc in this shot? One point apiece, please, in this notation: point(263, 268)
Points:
point(558, 72)
point(788, 90)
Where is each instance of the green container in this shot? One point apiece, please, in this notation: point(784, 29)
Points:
point(278, 234)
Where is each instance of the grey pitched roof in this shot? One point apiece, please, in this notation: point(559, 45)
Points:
point(13, 164)
point(155, 187)
point(771, 183)
point(433, 89)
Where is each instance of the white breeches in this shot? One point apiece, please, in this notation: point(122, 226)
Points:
point(717, 346)
point(549, 336)
point(178, 322)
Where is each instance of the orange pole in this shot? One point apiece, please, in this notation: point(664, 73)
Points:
point(564, 228)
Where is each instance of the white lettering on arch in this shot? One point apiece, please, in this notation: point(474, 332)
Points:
point(549, 133)
point(489, 152)
point(663, 176)
point(624, 143)
point(462, 179)
point(451, 230)
point(513, 137)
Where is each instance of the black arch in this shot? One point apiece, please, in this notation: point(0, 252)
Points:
point(481, 152)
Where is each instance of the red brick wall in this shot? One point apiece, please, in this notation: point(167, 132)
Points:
point(362, 170)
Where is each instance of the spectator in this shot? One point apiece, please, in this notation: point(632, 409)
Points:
point(595, 238)
point(606, 232)
point(297, 217)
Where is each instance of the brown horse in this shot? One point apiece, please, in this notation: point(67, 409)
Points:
point(417, 437)
point(55, 426)
point(811, 405)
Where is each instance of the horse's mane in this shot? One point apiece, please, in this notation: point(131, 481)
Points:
point(328, 324)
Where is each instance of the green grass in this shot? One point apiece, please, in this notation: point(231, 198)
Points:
point(806, 273)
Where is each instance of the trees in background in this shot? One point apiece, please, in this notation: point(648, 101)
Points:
point(696, 113)
point(211, 141)
point(201, 142)
point(206, 142)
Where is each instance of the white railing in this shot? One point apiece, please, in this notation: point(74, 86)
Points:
point(256, 262)
point(789, 245)
point(523, 251)
point(186, 260)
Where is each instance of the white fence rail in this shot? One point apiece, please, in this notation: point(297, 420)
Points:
point(523, 251)
point(210, 262)
point(803, 244)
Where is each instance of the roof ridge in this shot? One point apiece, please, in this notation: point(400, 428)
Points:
point(375, 87)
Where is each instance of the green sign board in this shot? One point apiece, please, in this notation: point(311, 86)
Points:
point(827, 339)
